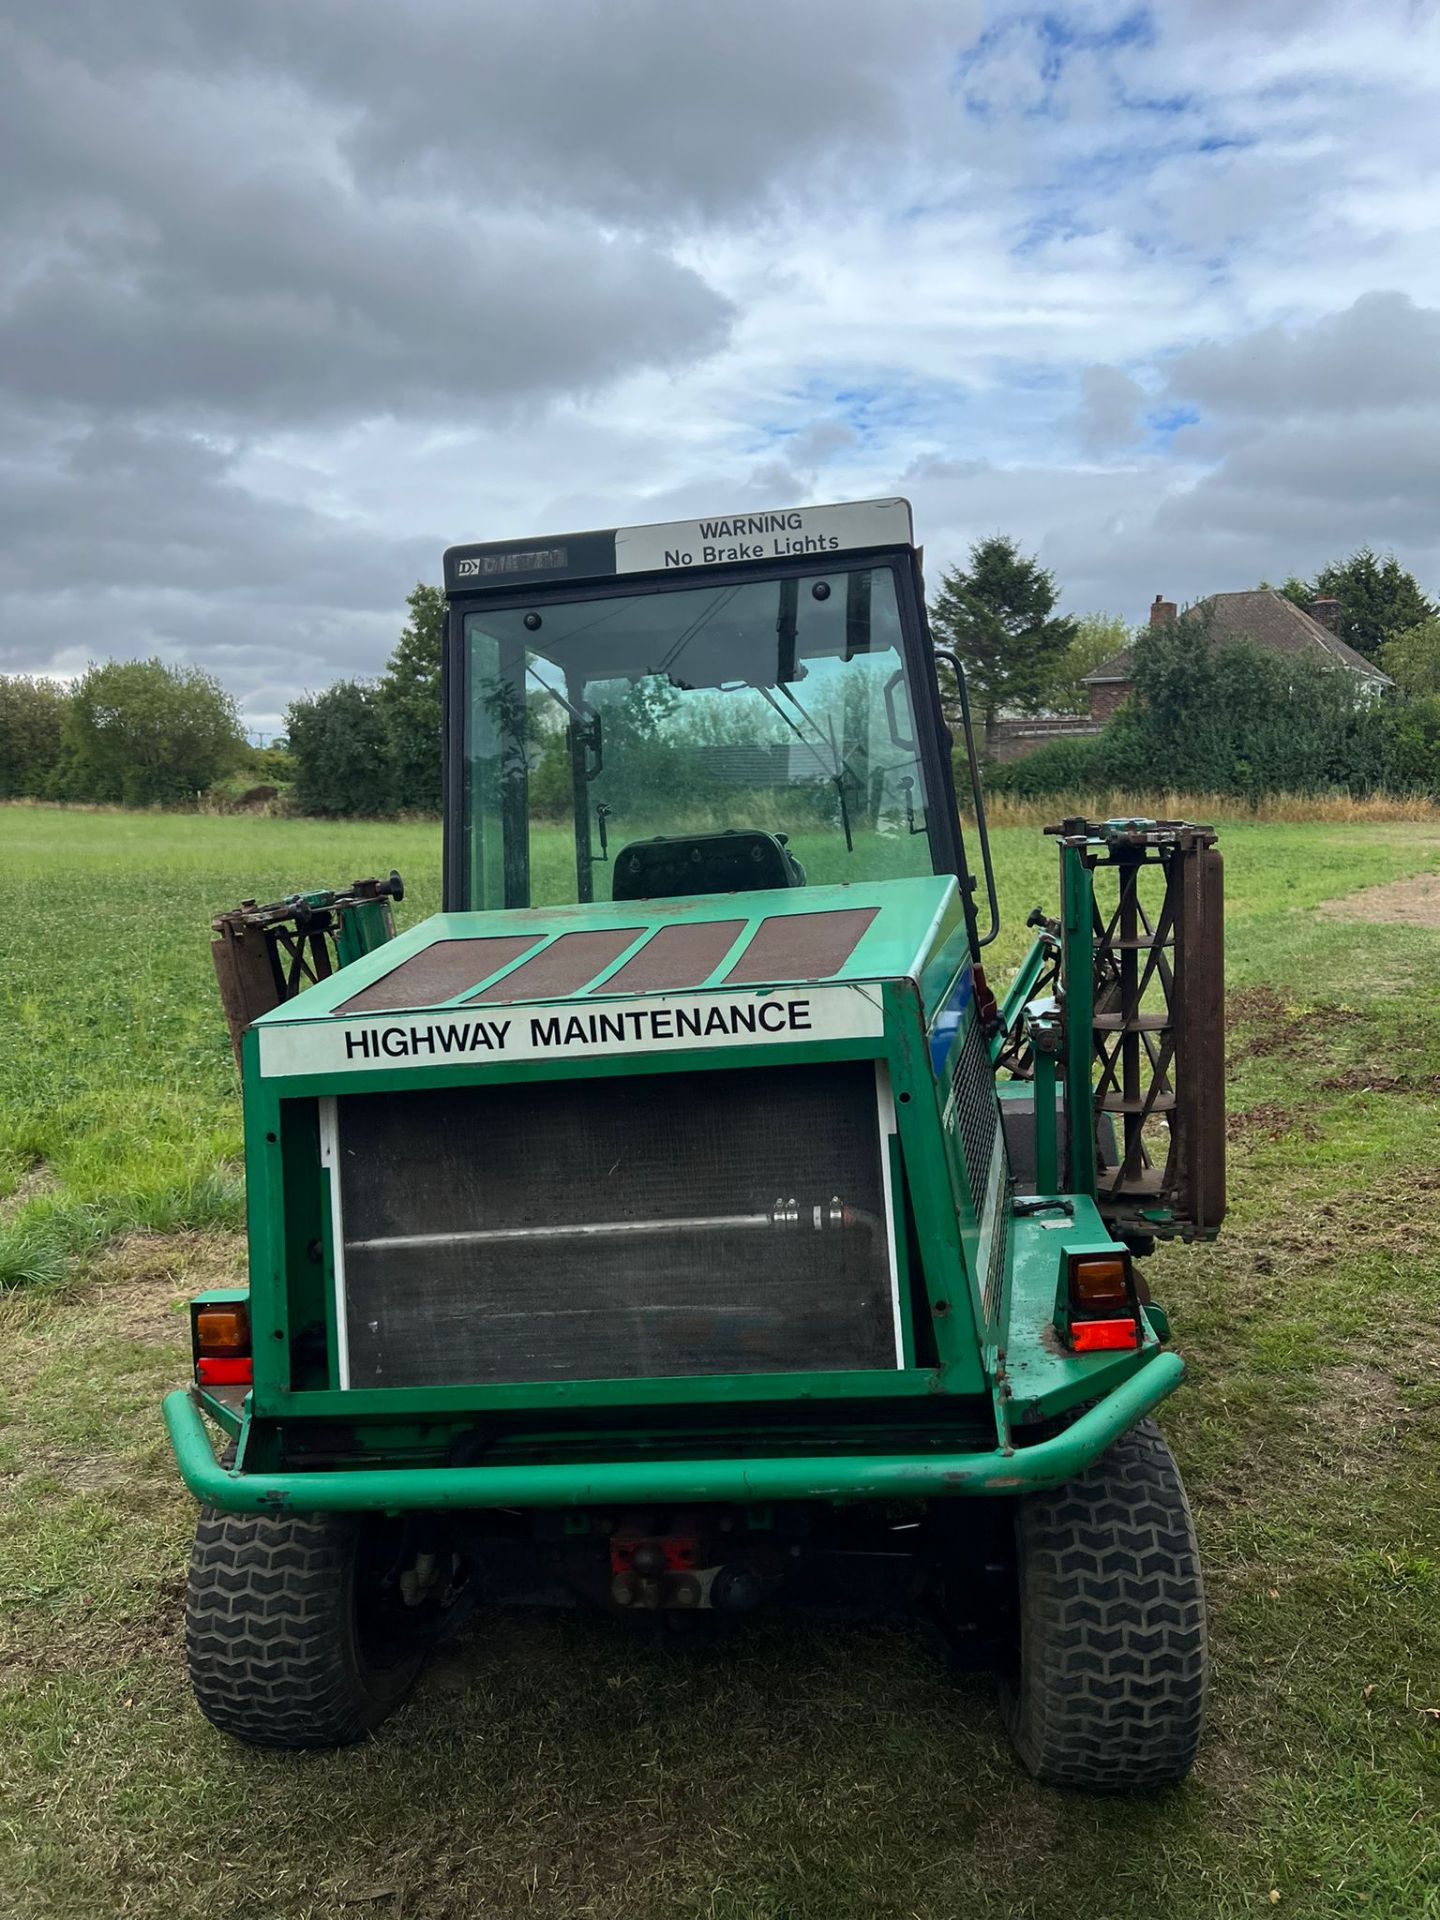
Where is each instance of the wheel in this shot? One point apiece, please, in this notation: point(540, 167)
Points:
point(1107, 1690)
point(295, 1629)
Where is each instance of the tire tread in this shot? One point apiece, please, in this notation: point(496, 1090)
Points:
point(270, 1636)
point(1114, 1663)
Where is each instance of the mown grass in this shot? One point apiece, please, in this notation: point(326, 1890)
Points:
point(561, 1766)
point(118, 1108)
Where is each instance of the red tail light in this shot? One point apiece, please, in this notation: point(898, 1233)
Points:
point(1104, 1336)
point(215, 1372)
point(1104, 1307)
point(221, 1334)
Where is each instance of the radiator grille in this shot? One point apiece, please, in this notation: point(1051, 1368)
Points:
point(976, 1110)
point(615, 1228)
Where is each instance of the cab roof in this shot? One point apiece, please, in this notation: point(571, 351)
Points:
point(726, 539)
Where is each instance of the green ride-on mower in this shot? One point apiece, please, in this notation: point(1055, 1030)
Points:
point(676, 1223)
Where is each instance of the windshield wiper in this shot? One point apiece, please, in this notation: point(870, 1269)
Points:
point(835, 772)
point(702, 619)
point(584, 726)
point(555, 694)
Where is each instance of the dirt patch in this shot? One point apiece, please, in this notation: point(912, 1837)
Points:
point(34, 1184)
point(1360, 1389)
point(1378, 1080)
point(1399, 903)
point(147, 1279)
point(88, 1640)
point(1270, 1121)
point(139, 1312)
point(1248, 1006)
point(73, 1472)
point(137, 1290)
point(1355, 1413)
point(1281, 1027)
point(1401, 1222)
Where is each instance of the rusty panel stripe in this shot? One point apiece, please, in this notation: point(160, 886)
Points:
point(676, 957)
point(564, 967)
point(802, 946)
point(439, 973)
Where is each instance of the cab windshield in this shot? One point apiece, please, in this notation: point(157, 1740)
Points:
point(766, 711)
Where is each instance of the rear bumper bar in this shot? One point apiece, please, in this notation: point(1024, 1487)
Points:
point(1048, 1463)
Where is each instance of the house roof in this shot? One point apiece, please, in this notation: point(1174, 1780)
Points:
point(1120, 666)
point(1265, 617)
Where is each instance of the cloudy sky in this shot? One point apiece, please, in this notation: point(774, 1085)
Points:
point(295, 293)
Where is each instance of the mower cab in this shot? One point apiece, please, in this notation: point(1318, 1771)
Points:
point(676, 1221)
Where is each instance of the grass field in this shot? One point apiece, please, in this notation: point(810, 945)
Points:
point(559, 1766)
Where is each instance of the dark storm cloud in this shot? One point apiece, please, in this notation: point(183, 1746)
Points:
point(184, 247)
point(1381, 353)
point(640, 109)
point(1376, 480)
point(221, 223)
point(267, 212)
point(123, 541)
point(1317, 437)
point(124, 507)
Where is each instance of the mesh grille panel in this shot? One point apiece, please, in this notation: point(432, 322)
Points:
point(613, 1229)
point(977, 1110)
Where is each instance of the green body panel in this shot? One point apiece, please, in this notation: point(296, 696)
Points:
point(363, 926)
point(979, 1375)
point(1047, 1157)
point(917, 933)
point(284, 1307)
point(1042, 1379)
point(1077, 918)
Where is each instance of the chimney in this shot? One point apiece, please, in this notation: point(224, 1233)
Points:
point(1328, 613)
point(1162, 612)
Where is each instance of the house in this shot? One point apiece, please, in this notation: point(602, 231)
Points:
point(1262, 616)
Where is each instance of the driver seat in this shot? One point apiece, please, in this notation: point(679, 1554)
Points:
point(739, 860)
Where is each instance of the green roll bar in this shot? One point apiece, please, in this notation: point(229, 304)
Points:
point(1047, 1463)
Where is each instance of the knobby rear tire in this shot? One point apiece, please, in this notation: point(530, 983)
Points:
point(277, 1649)
point(1109, 1693)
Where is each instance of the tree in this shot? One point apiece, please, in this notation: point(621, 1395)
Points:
point(145, 734)
point(1097, 637)
point(1296, 589)
point(32, 722)
point(998, 615)
point(338, 743)
point(1414, 744)
point(408, 701)
point(1412, 659)
point(1378, 598)
point(273, 765)
point(1224, 716)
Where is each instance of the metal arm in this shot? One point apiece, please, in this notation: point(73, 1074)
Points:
point(972, 759)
